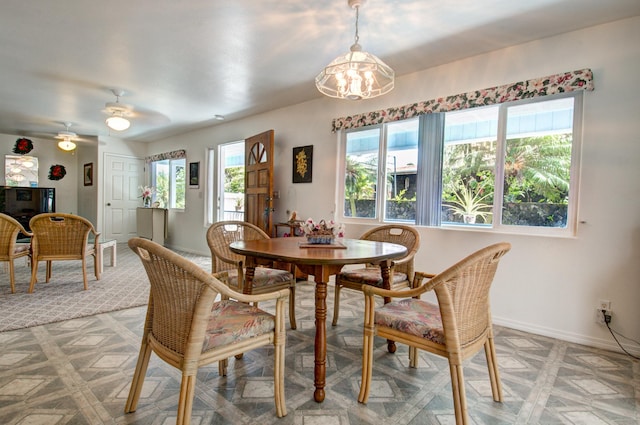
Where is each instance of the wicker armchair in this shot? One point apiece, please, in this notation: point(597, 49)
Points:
point(62, 237)
point(223, 233)
point(9, 249)
point(401, 272)
point(198, 330)
point(457, 328)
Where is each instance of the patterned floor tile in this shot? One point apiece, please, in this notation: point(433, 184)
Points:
point(79, 371)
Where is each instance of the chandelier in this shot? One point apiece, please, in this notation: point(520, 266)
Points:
point(355, 75)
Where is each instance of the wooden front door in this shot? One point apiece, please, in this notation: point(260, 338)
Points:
point(258, 180)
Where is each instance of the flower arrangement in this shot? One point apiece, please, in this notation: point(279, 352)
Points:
point(146, 194)
point(322, 232)
point(57, 172)
point(23, 146)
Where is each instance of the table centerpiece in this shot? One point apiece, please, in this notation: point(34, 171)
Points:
point(322, 232)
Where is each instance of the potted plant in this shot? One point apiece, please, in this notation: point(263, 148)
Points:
point(239, 204)
point(469, 205)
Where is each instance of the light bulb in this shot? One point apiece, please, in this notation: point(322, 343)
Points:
point(117, 122)
point(66, 145)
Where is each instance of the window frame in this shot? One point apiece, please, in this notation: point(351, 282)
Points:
point(429, 175)
point(171, 180)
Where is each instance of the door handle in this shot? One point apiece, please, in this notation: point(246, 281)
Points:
point(108, 204)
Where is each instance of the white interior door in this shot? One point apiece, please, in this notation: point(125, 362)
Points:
point(123, 175)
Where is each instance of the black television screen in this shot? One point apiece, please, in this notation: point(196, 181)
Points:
point(22, 203)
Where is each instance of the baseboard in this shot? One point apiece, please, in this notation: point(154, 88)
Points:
point(607, 344)
point(187, 250)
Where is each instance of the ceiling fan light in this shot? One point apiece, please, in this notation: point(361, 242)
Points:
point(66, 145)
point(16, 177)
point(117, 122)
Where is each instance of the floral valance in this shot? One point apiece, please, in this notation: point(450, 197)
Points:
point(552, 84)
point(167, 155)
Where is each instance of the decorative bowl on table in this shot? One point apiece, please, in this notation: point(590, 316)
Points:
point(319, 239)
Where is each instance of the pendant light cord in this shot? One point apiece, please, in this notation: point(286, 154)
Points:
point(357, 16)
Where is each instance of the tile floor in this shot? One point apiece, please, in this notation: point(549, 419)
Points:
point(78, 372)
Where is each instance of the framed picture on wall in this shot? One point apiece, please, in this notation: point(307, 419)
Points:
point(88, 174)
point(194, 175)
point(302, 164)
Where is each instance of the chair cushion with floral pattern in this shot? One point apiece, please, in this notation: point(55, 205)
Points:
point(232, 321)
point(21, 247)
point(371, 276)
point(263, 277)
point(412, 316)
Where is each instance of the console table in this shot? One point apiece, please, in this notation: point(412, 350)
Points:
point(291, 227)
point(151, 223)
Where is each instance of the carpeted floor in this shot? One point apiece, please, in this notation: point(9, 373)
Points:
point(63, 298)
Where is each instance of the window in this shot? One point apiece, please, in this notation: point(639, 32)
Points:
point(168, 176)
point(361, 173)
point(364, 163)
point(21, 170)
point(510, 167)
point(229, 174)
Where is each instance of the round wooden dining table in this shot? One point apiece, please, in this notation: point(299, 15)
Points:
point(320, 261)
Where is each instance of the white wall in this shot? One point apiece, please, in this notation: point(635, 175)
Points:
point(48, 154)
point(71, 189)
point(88, 207)
point(545, 285)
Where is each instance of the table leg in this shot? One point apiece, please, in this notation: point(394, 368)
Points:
point(320, 369)
point(249, 273)
point(385, 270)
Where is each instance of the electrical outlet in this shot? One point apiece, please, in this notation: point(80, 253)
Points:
point(600, 315)
point(605, 305)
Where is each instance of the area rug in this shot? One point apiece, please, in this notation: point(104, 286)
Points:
point(120, 287)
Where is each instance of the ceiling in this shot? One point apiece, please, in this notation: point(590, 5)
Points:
point(180, 63)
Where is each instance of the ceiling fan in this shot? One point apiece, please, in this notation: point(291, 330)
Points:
point(118, 112)
point(67, 138)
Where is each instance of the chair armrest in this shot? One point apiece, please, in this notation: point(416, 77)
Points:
point(23, 230)
point(418, 289)
point(402, 261)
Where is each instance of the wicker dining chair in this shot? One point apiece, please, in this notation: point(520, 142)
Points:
point(9, 248)
point(63, 237)
point(199, 330)
point(401, 272)
point(456, 328)
point(266, 279)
